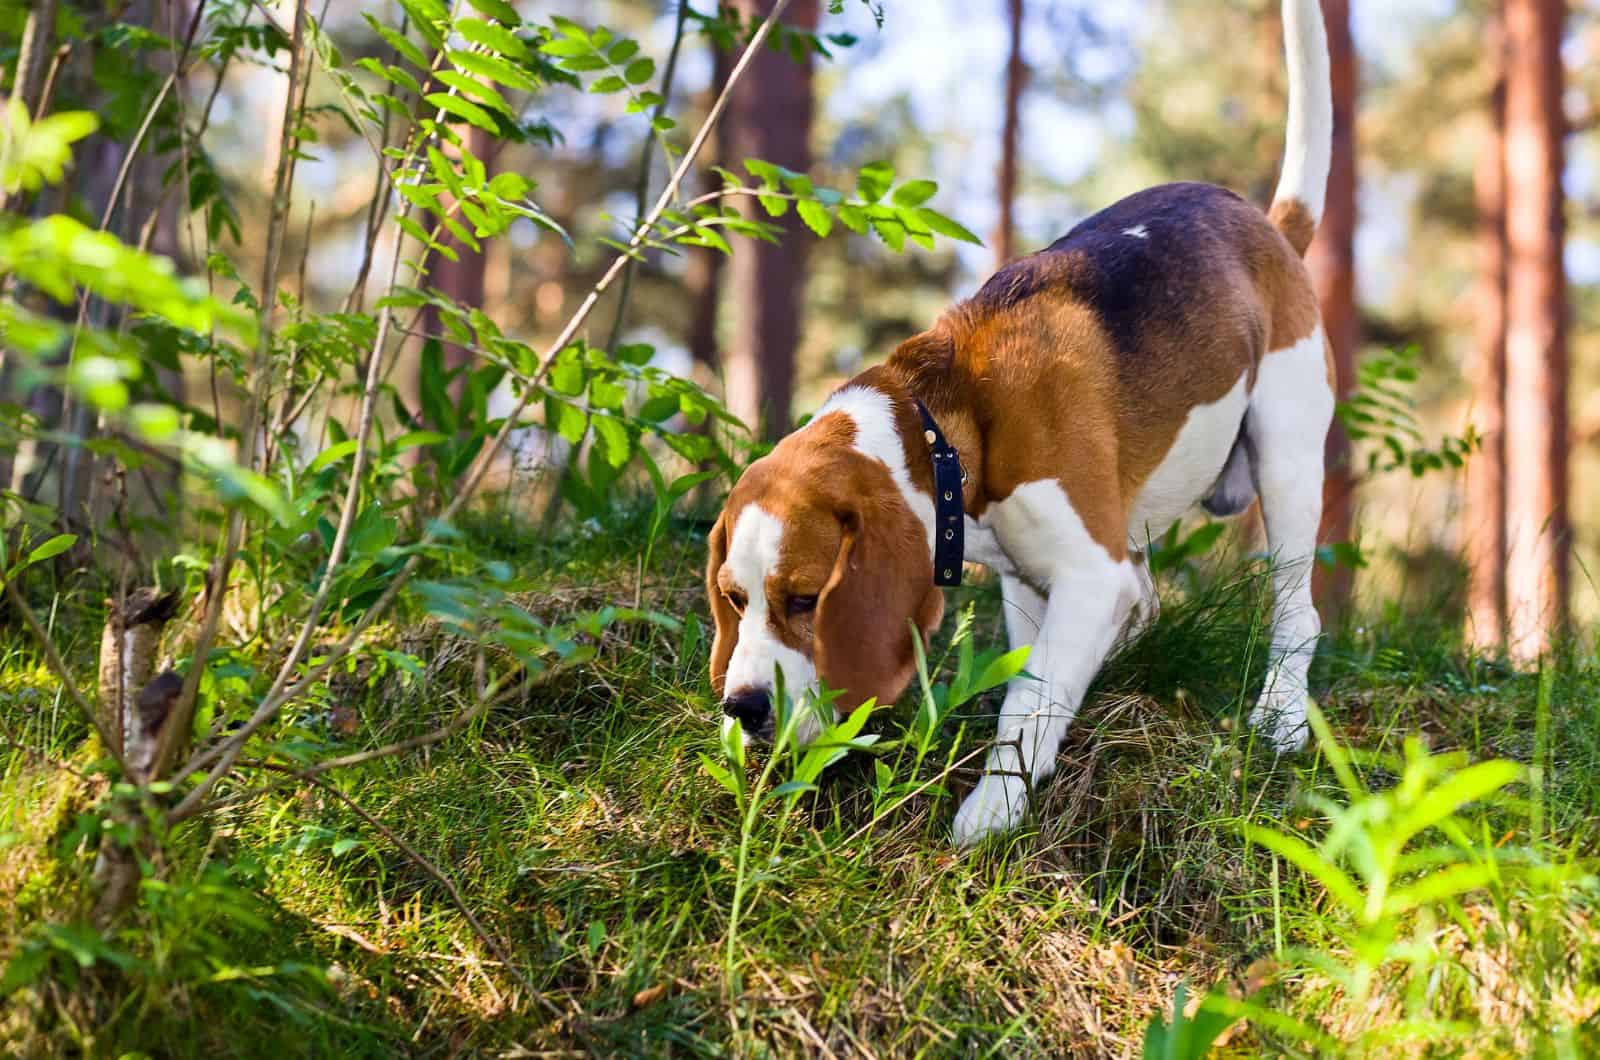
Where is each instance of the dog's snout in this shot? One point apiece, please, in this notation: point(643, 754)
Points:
point(752, 706)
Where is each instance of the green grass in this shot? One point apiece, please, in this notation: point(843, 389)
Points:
point(581, 829)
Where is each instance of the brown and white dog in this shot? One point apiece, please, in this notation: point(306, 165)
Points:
point(1166, 352)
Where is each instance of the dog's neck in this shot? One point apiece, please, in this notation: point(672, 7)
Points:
point(922, 370)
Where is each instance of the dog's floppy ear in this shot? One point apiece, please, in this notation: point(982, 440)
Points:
point(722, 612)
point(882, 580)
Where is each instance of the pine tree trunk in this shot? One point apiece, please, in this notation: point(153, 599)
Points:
point(1484, 525)
point(769, 117)
point(1005, 229)
point(1331, 258)
point(1536, 350)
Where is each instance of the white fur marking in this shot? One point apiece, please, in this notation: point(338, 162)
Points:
point(752, 557)
point(1137, 232)
point(1090, 595)
point(1308, 140)
point(1290, 411)
point(876, 436)
point(1190, 467)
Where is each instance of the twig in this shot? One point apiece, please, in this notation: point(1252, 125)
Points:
point(59, 667)
point(269, 707)
point(36, 35)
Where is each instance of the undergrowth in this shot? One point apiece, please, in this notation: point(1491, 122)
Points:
point(580, 824)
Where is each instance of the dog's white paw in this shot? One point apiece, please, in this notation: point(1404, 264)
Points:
point(996, 805)
point(1280, 716)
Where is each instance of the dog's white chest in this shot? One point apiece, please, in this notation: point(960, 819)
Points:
point(1190, 466)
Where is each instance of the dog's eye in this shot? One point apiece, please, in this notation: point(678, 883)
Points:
point(737, 600)
point(802, 605)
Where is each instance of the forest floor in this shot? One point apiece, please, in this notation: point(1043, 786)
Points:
point(583, 831)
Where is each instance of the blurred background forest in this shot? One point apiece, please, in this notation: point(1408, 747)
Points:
point(1030, 115)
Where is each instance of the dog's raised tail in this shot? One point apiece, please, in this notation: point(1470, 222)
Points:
point(1303, 185)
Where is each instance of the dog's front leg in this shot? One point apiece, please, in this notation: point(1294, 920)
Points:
point(1071, 633)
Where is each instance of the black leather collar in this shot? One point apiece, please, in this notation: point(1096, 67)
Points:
point(949, 516)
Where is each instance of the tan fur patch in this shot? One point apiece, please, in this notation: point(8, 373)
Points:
point(1291, 217)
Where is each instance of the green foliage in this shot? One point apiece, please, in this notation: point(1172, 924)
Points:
point(33, 154)
point(1382, 413)
point(1184, 1037)
point(1398, 861)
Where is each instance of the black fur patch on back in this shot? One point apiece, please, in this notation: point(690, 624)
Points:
point(1139, 260)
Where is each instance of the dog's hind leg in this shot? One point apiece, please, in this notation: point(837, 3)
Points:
point(1287, 421)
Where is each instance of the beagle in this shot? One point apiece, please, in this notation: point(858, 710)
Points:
point(1167, 351)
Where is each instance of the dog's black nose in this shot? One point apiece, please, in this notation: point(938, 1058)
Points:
point(752, 706)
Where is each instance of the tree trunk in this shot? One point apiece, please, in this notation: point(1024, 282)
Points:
point(769, 117)
point(1332, 260)
point(1536, 349)
point(1484, 524)
point(1005, 229)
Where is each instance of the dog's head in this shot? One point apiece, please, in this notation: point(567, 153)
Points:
point(818, 569)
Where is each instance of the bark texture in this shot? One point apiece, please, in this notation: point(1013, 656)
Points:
point(769, 117)
point(1537, 531)
point(1332, 259)
point(1484, 524)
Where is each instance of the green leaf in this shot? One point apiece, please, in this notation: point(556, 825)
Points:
point(493, 67)
point(1439, 886)
point(816, 216)
point(332, 455)
point(566, 376)
point(427, 16)
point(499, 9)
point(872, 183)
point(606, 85)
point(944, 226)
point(1306, 858)
point(53, 547)
point(615, 442)
point(466, 110)
point(1444, 799)
point(1001, 670)
point(640, 71)
point(568, 420)
point(853, 218)
point(496, 38)
point(471, 86)
point(914, 193)
point(414, 439)
point(720, 774)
